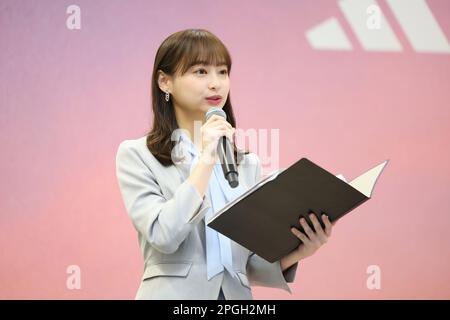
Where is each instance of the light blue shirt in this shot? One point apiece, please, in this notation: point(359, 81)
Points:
point(218, 247)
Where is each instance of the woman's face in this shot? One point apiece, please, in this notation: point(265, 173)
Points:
point(190, 90)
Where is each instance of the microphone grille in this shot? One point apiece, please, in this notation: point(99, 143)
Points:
point(216, 111)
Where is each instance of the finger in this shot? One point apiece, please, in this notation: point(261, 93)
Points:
point(315, 222)
point(227, 132)
point(224, 122)
point(231, 133)
point(221, 128)
point(318, 228)
point(308, 230)
point(220, 133)
point(216, 119)
point(300, 235)
point(328, 225)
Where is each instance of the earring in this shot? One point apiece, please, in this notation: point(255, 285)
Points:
point(167, 96)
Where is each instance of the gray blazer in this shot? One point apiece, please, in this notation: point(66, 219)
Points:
point(167, 213)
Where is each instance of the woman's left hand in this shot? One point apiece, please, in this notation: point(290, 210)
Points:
point(311, 241)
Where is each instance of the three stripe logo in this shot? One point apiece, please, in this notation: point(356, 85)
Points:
point(414, 17)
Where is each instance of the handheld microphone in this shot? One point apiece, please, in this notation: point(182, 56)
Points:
point(225, 152)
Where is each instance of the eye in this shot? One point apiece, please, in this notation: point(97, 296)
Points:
point(200, 70)
point(224, 71)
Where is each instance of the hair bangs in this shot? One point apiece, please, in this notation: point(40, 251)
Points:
point(204, 50)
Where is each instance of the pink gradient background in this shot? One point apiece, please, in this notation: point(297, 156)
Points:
point(68, 98)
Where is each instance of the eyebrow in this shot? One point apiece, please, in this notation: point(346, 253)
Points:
point(206, 64)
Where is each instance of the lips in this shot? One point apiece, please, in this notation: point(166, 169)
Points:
point(214, 101)
point(214, 98)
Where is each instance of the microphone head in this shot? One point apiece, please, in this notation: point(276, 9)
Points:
point(217, 111)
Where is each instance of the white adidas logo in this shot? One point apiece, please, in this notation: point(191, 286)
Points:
point(414, 16)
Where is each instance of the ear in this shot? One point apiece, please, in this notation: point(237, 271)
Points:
point(164, 81)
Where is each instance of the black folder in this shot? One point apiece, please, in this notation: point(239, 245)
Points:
point(261, 218)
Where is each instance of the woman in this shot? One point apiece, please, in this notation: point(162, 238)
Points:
point(168, 198)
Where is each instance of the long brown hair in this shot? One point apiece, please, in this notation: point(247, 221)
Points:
point(176, 55)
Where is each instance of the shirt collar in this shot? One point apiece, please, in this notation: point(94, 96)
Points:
point(187, 143)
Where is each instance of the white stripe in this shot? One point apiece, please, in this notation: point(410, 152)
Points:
point(419, 25)
point(382, 39)
point(328, 35)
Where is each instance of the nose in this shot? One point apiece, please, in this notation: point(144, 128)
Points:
point(214, 82)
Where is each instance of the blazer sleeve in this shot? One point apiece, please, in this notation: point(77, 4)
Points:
point(263, 273)
point(165, 223)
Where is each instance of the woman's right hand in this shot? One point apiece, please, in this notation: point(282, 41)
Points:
point(211, 131)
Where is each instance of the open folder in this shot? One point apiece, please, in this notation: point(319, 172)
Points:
point(261, 218)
